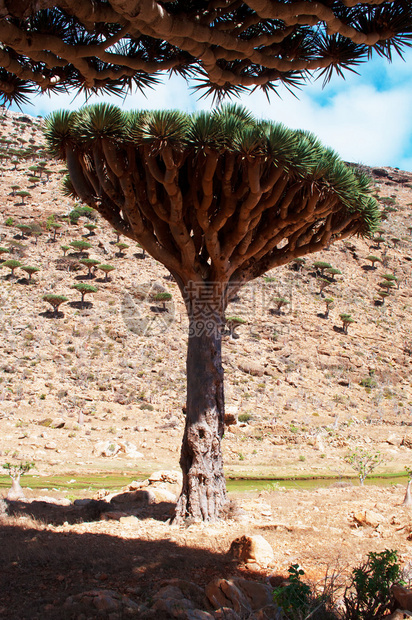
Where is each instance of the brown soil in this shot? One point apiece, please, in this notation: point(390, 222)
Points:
point(310, 393)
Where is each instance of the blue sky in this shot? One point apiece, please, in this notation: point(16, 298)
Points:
point(367, 118)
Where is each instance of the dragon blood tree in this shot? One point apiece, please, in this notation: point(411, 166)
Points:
point(115, 46)
point(219, 198)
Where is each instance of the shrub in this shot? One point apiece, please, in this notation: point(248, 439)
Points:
point(368, 596)
point(244, 417)
point(55, 301)
point(4, 250)
point(79, 212)
point(294, 597)
point(363, 462)
point(9, 221)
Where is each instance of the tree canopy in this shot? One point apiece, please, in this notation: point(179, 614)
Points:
point(225, 46)
point(215, 195)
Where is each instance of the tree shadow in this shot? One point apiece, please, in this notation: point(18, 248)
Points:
point(158, 309)
point(49, 314)
point(103, 280)
point(338, 330)
point(368, 268)
point(322, 315)
point(140, 255)
point(25, 281)
point(79, 305)
point(42, 568)
point(85, 277)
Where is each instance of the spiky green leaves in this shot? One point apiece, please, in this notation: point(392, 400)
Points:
point(229, 130)
point(59, 132)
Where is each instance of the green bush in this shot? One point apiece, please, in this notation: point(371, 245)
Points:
point(244, 417)
point(79, 212)
point(368, 596)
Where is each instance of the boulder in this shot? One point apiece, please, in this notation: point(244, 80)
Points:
point(252, 549)
point(368, 517)
point(224, 593)
point(403, 596)
point(245, 598)
point(95, 603)
point(106, 448)
point(176, 599)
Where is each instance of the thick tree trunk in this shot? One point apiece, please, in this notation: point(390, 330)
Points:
point(15, 492)
point(204, 489)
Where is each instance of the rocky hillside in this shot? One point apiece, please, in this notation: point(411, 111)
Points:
point(101, 385)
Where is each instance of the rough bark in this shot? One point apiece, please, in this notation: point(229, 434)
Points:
point(204, 490)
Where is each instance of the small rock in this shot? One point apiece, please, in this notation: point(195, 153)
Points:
point(251, 368)
point(368, 517)
point(172, 477)
point(252, 549)
point(131, 519)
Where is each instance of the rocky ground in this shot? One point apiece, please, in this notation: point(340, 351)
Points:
point(100, 388)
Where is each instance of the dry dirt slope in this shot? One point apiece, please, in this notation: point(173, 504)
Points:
point(308, 393)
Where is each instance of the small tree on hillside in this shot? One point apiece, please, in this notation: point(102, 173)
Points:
point(30, 270)
point(373, 259)
point(321, 265)
point(407, 501)
point(23, 194)
point(80, 245)
point(363, 462)
point(11, 264)
point(15, 472)
point(55, 301)
point(329, 302)
point(84, 289)
point(89, 263)
point(163, 298)
point(220, 199)
point(106, 270)
point(346, 321)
